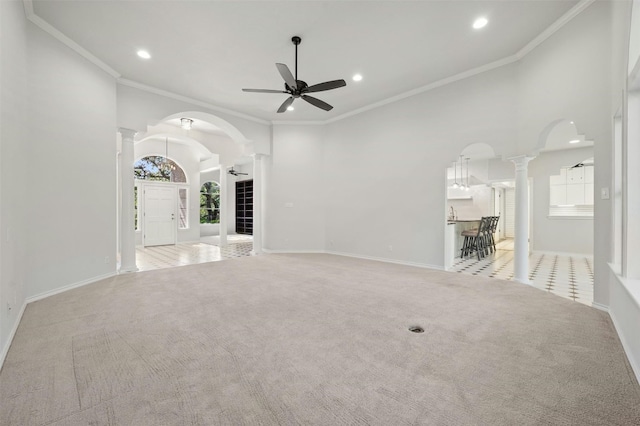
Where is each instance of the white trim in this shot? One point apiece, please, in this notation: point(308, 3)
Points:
point(51, 30)
point(167, 94)
point(601, 307)
point(382, 259)
point(12, 334)
point(277, 251)
point(59, 290)
point(299, 123)
point(431, 86)
point(635, 366)
point(564, 19)
point(356, 256)
point(561, 22)
point(569, 217)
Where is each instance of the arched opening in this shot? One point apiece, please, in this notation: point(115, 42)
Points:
point(470, 197)
point(188, 159)
point(563, 213)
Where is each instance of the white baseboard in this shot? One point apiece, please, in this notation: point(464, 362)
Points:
point(600, 306)
point(635, 364)
point(382, 259)
point(59, 290)
point(12, 334)
point(278, 251)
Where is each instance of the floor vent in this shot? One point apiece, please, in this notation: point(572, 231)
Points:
point(416, 329)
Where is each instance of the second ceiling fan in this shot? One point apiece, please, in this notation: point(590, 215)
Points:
point(298, 88)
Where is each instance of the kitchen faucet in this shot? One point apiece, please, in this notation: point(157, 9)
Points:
point(452, 213)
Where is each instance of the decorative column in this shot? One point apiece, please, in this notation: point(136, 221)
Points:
point(257, 204)
point(223, 205)
point(127, 211)
point(521, 240)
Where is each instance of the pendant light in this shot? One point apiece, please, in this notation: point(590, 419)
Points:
point(455, 175)
point(462, 186)
point(467, 187)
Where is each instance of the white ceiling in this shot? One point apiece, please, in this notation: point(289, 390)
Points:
point(210, 50)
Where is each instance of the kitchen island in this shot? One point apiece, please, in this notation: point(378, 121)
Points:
point(453, 239)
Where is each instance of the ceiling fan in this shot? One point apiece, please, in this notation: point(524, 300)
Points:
point(235, 173)
point(298, 88)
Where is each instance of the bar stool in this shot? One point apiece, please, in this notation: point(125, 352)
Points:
point(475, 239)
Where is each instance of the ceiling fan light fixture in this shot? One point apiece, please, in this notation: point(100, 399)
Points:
point(290, 108)
point(480, 23)
point(574, 141)
point(186, 123)
point(357, 77)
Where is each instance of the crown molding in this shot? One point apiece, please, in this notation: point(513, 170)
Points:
point(431, 86)
point(538, 40)
point(561, 22)
point(298, 123)
point(50, 29)
point(167, 94)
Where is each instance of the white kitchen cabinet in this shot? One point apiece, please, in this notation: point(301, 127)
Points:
point(588, 174)
point(575, 193)
point(560, 179)
point(588, 192)
point(558, 195)
point(575, 175)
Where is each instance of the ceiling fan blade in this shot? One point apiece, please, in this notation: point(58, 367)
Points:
point(285, 104)
point(317, 102)
point(263, 91)
point(287, 76)
point(327, 85)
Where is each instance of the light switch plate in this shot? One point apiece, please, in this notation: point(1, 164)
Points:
point(288, 205)
point(604, 193)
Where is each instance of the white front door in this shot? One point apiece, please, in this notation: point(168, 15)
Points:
point(159, 215)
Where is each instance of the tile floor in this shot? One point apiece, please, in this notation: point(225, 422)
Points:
point(568, 276)
point(207, 250)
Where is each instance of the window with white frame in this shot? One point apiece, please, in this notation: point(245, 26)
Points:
point(210, 202)
point(183, 208)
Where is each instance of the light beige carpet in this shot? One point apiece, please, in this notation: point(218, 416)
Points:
point(314, 340)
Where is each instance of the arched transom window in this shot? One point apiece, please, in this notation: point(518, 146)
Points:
point(158, 168)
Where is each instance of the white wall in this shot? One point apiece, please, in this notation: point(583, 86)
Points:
point(480, 204)
point(14, 140)
point(295, 189)
point(72, 167)
point(384, 168)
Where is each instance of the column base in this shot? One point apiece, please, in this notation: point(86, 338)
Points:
point(523, 281)
point(128, 269)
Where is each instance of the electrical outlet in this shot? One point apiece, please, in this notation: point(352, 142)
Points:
point(390, 248)
point(106, 259)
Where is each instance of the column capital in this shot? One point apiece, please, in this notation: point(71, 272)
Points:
point(127, 133)
point(257, 156)
point(521, 161)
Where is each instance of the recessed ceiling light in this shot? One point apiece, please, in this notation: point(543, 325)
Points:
point(480, 23)
point(357, 77)
point(574, 141)
point(290, 108)
point(144, 54)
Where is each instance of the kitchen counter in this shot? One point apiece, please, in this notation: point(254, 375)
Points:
point(454, 240)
